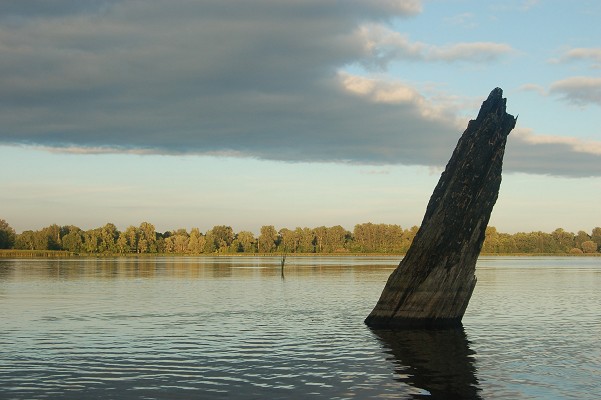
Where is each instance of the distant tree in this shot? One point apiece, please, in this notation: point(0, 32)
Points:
point(364, 237)
point(564, 240)
point(596, 236)
point(580, 238)
point(288, 240)
point(408, 236)
point(337, 239)
point(108, 238)
point(91, 240)
point(223, 237)
point(393, 237)
point(589, 246)
point(143, 246)
point(132, 236)
point(122, 245)
point(8, 235)
point(195, 242)
point(245, 242)
point(210, 240)
point(160, 244)
point(72, 239)
point(371, 238)
point(147, 243)
point(306, 240)
point(180, 243)
point(24, 241)
point(491, 241)
point(320, 234)
point(49, 238)
point(267, 239)
point(507, 243)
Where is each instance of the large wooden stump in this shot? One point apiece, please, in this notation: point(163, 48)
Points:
point(433, 284)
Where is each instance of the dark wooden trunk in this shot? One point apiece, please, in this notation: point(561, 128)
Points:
point(433, 284)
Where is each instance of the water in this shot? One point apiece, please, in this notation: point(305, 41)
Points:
point(233, 328)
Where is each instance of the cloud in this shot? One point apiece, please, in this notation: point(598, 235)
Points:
point(383, 45)
point(257, 79)
point(532, 87)
point(552, 155)
point(475, 52)
point(260, 78)
point(466, 20)
point(528, 4)
point(586, 54)
point(574, 144)
point(578, 90)
point(515, 5)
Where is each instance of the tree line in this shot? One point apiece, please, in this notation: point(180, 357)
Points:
point(365, 238)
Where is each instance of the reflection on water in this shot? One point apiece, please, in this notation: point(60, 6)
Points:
point(437, 361)
point(230, 327)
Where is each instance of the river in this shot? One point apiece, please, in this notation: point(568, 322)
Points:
point(235, 328)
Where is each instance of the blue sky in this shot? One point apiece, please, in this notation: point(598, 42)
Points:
point(298, 113)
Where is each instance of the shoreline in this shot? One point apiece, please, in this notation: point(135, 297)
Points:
point(12, 253)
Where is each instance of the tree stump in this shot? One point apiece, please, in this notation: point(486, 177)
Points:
point(432, 285)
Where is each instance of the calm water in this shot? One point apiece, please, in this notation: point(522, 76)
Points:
point(181, 328)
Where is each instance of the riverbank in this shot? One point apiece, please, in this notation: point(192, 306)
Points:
point(13, 253)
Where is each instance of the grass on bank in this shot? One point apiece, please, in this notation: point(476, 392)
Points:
point(13, 253)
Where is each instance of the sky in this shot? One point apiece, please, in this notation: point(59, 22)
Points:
point(291, 113)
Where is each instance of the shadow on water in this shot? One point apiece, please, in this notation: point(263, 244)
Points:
point(438, 361)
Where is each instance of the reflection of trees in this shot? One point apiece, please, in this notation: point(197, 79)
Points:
point(439, 361)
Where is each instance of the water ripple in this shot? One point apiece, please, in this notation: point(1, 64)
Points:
point(193, 328)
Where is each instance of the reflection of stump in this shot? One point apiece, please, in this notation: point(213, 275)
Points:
point(433, 284)
point(439, 361)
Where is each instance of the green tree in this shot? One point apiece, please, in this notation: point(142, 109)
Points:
point(336, 239)
point(49, 238)
point(306, 240)
point(288, 240)
point(596, 236)
point(491, 241)
point(73, 239)
point(195, 241)
point(210, 240)
point(223, 237)
point(92, 240)
point(25, 241)
point(563, 240)
point(181, 242)
point(121, 244)
point(132, 236)
point(245, 242)
point(320, 238)
point(108, 238)
point(8, 236)
point(580, 238)
point(147, 242)
point(267, 239)
point(408, 236)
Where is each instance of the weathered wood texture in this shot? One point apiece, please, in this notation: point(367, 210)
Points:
point(433, 284)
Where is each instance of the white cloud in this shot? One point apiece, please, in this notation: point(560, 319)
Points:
point(575, 144)
point(474, 52)
point(394, 92)
point(587, 54)
point(383, 45)
point(578, 90)
point(532, 87)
